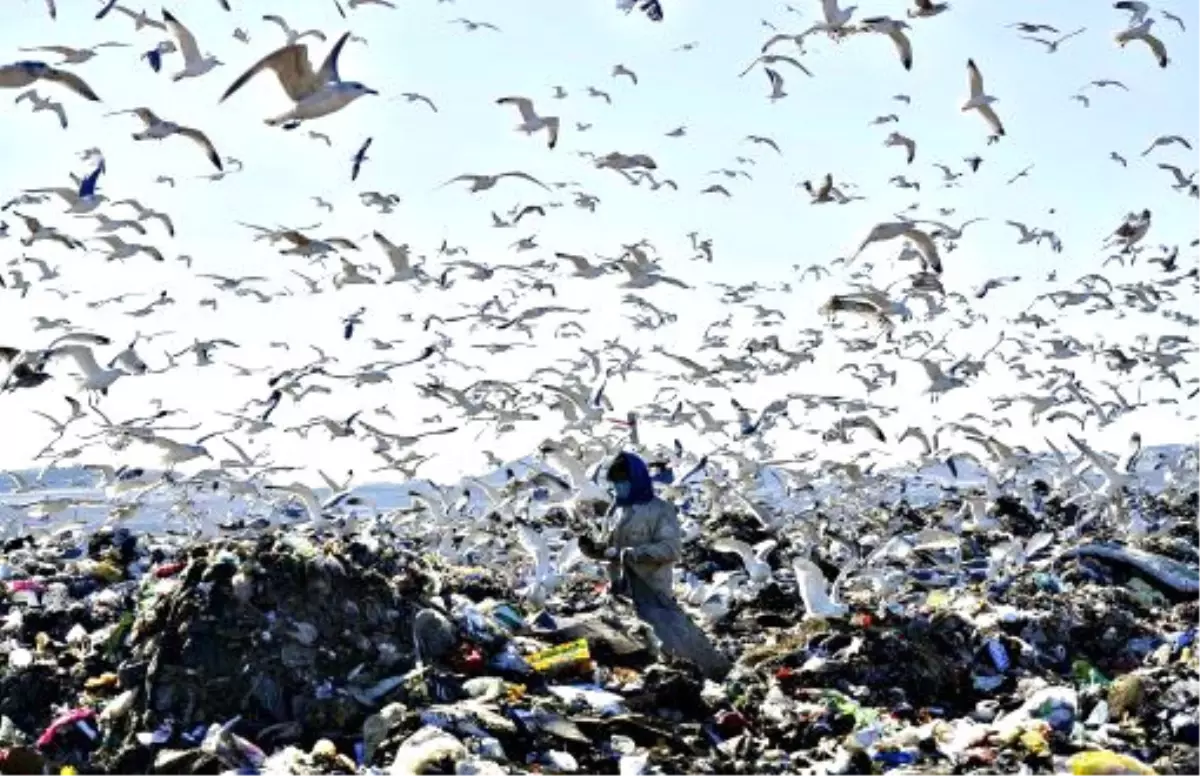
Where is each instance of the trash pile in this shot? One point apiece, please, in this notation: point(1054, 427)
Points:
point(283, 653)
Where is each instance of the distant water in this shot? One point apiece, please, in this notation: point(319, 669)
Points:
point(919, 486)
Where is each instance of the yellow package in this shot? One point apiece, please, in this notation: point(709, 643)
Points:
point(563, 655)
point(1105, 763)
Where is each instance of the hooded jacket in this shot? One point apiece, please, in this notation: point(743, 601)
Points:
point(648, 528)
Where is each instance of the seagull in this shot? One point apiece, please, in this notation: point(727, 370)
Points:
point(414, 97)
point(980, 101)
point(359, 157)
point(926, 9)
point(158, 129)
point(1142, 32)
point(75, 56)
point(890, 230)
point(94, 379)
point(776, 81)
point(619, 70)
point(762, 140)
point(1052, 45)
point(895, 30)
point(194, 65)
point(315, 94)
point(770, 59)
point(1137, 10)
point(21, 74)
point(897, 140)
point(1167, 140)
point(293, 37)
point(141, 19)
point(530, 121)
point(1174, 18)
point(835, 18)
point(485, 182)
point(43, 103)
point(471, 26)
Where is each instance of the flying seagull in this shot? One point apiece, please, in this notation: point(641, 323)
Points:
point(1142, 32)
point(530, 121)
point(895, 30)
point(359, 157)
point(194, 65)
point(158, 129)
point(21, 74)
point(980, 101)
point(1052, 45)
point(315, 94)
point(43, 103)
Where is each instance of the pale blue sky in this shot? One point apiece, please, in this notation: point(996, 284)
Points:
point(768, 225)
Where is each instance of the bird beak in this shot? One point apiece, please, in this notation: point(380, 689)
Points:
point(371, 91)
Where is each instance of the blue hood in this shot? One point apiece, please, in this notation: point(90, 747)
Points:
point(642, 487)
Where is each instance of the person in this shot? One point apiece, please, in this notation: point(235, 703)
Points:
point(642, 546)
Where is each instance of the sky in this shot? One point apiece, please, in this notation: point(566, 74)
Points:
point(760, 233)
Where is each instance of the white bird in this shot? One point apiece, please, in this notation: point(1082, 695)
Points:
point(316, 509)
point(21, 74)
point(776, 81)
point(897, 140)
point(835, 18)
point(399, 257)
point(530, 121)
point(293, 36)
point(894, 29)
point(315, 93)
point(415, 97)
point(814, 591)
point(141, 19)
point(195, 64)
point(43, 103)
point(1136, 8)
point(75, 56)
point(981, 102)
point(94, 378)
point(753, 558)
point(158, 129)
point(1142, 32)
point(174, 453)
point(889, 230)
point(621, 70)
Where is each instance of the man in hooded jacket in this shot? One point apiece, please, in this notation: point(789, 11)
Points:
point(642, 547)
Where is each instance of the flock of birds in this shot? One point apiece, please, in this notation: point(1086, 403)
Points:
point(868, 334)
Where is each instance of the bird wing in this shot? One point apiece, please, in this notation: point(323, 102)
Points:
point(737, 547)
point(1156, 45)
point(904, 46)
point(71, 81)
point(329, 68)
point(927, 246)
point(535, 544)
point(60, 111)
point(974, 78)
point(187, 41)
point(524, 106)
point(290, 65)
point(202, 140)
point(523, 176)
point(992, 119)
point(83, 356)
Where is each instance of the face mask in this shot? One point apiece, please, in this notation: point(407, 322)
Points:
point(622, 489)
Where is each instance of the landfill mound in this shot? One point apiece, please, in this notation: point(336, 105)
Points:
point(280, 652)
